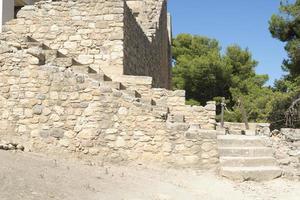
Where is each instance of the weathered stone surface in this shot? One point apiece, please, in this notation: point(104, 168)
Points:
point(246, 158)
point(57, 133)
point(37, 109)
point(98, 110)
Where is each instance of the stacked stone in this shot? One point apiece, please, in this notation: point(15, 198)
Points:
point(49, 106)
point(287, 151)
point(146, 41)
point(90, 31)
point(104, 34)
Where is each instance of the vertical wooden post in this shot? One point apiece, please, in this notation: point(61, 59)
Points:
point(243, 111)
point(222, 111)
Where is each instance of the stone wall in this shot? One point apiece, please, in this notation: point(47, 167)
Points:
point(148, 14)
point(174, 101)
point(146, 43)
point(103, 33)
point(52, 109)
point(91, 31)
point(286, 144)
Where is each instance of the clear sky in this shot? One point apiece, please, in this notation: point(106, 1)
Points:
point(242, 22)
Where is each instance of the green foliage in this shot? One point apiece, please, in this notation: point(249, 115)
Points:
point(192, 102)
point(200, 68)
point(279, 106)
point(286, 27)
point(205, 74)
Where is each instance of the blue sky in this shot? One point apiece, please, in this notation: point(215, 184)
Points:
point(242, 22)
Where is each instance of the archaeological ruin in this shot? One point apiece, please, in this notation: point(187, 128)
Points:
point(92, 78)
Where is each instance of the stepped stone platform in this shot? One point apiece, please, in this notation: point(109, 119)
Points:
point(55, 100)
point(91, 79)
point(247, 158)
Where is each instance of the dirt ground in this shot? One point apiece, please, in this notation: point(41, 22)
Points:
point(27, 176)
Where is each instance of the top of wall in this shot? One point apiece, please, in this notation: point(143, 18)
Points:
point(147, 14)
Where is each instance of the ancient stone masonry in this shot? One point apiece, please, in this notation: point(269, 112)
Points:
point(287, 151)
point(89, 31)
point(102, 34)
point(58, 92)
point(147, 49)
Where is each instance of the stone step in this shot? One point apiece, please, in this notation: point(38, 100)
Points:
point(50, 55)
point(111, 84)
point(37, 44)
point(37, 52)
point(247, 161)
point(63, 62)
point(176, 118)
point(246, 151)
point(146, 100)
point(98, 77)
point(241, 141)
point(251, 173)
point(34, 44)
point(84, 69)
point(241, 132)
point(131, 93)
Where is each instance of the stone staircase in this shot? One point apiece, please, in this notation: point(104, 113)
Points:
point(247, 158)
point(48, 56)
point(158, 99)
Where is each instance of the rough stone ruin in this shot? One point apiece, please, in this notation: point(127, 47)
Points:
point(91, 78)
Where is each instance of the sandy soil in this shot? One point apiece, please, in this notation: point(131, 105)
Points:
point(26, 176)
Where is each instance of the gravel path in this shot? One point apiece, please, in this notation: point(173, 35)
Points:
point(26, 176)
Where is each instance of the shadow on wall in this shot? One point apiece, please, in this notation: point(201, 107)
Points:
point(148, 54)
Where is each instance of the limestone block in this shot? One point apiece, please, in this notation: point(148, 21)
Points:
point(55, 117)
point(207, 146)
point(211, 106)
point(75, 38)
point(37, 109)
point(94, 151)
point(64, 143)
point(86, 59)
point(86, 97)
point(57, 133)
point(110, 137)
point(86, 43)
point(35, 133)
point(122, 111)
point(46, 111)
point(44, 133)
point(167, 147)
point(33, 60)
point(87, 134)
point(70, 45)
point(120, 142)
point(191, 160)
point(54, 95)
point(28, 113)
point(111, 131)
